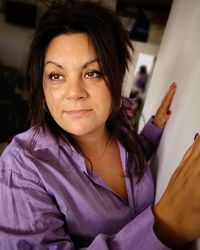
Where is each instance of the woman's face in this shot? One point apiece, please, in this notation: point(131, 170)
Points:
point(75, 91)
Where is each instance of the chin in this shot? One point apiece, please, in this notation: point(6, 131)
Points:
point(79, 131)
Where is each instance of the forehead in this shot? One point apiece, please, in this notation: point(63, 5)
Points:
point(70, 47)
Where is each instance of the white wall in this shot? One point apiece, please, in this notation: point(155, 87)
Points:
point(178, 60)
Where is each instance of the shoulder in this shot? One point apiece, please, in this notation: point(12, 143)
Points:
point(30, 150)
point(37, 138)
point(17, 156)
point(26, 141)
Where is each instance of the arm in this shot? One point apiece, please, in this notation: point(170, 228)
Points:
point(149, 138)
point(30, 218)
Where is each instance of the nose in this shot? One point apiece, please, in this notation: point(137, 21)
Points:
point(76, 89)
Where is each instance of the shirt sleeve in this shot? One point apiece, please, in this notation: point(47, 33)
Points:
point(31, 219)
point(149, 138)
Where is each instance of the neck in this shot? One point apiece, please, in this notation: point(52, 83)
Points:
point(94, 145)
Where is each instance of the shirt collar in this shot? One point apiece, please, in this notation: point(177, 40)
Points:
point(42, 138)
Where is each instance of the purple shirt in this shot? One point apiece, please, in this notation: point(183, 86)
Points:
point(48, 200)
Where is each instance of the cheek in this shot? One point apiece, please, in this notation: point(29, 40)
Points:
point(105, 102)
point(52, 101)
point(109, 104)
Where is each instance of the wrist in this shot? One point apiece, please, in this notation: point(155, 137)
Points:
point(157, 123)
point(167, 232)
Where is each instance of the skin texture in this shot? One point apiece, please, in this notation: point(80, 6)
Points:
point(75, 91)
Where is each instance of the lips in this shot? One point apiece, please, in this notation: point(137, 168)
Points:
point(78, 113)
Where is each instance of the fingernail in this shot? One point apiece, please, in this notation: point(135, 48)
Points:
point(196, 135)
point(169, 112)
point(173, 85)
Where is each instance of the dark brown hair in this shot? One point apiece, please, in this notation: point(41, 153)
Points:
point(112, 46)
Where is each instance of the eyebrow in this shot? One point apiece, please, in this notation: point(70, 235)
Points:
point(88, 63)
point(51, 62)
point(85, 65)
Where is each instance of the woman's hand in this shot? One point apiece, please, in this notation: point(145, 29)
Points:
point(177, 214)
point(163, 113)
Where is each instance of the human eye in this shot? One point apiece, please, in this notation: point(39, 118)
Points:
point(93, 74)
point(55, 76)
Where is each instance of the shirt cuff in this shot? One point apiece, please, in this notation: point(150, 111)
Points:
point(141, 232)
point(152, 132)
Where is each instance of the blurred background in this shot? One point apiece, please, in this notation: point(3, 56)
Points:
point(144, 20)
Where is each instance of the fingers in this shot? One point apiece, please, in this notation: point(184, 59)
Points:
point(187, 154)
point(169, 97)
point(196, 147)
point(194, 150)
point(163, 113)
point(192, 153)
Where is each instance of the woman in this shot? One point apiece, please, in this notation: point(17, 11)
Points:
point(79, 178)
